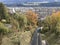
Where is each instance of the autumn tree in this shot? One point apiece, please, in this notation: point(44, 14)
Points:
point(32, 18)
point(52, 22)
point(51, 28)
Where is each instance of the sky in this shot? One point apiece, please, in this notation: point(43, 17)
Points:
point(20, 1)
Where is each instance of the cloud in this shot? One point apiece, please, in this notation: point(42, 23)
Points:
point(45, 2)
point(56, 0)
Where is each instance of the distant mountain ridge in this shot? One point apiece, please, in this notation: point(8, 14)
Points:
point(53, 4)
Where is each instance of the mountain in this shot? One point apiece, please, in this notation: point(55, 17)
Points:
point(33, 3)
point(53, 4)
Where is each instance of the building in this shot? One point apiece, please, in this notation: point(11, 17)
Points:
point(41, 11)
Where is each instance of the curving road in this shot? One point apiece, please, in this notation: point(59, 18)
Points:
point(36, 39)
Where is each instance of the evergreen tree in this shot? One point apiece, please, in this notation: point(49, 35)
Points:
point(3, 11)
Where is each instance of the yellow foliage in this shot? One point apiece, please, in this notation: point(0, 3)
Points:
point(32, 16)
point(55, 16)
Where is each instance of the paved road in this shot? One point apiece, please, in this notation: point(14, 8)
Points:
point(36, 39)
point(39, 40)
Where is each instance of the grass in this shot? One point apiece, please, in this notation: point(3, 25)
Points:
point(22, 38)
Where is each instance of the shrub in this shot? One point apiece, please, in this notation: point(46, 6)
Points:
point(3, 29)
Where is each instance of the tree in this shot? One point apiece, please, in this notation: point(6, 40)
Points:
point(58, 28)
point(22, 21)
point(3, 11)
point(32, 17)
point(52, 22)
point(51, 28)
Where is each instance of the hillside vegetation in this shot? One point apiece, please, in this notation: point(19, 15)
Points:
point(16, 28)
point(51, 28)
